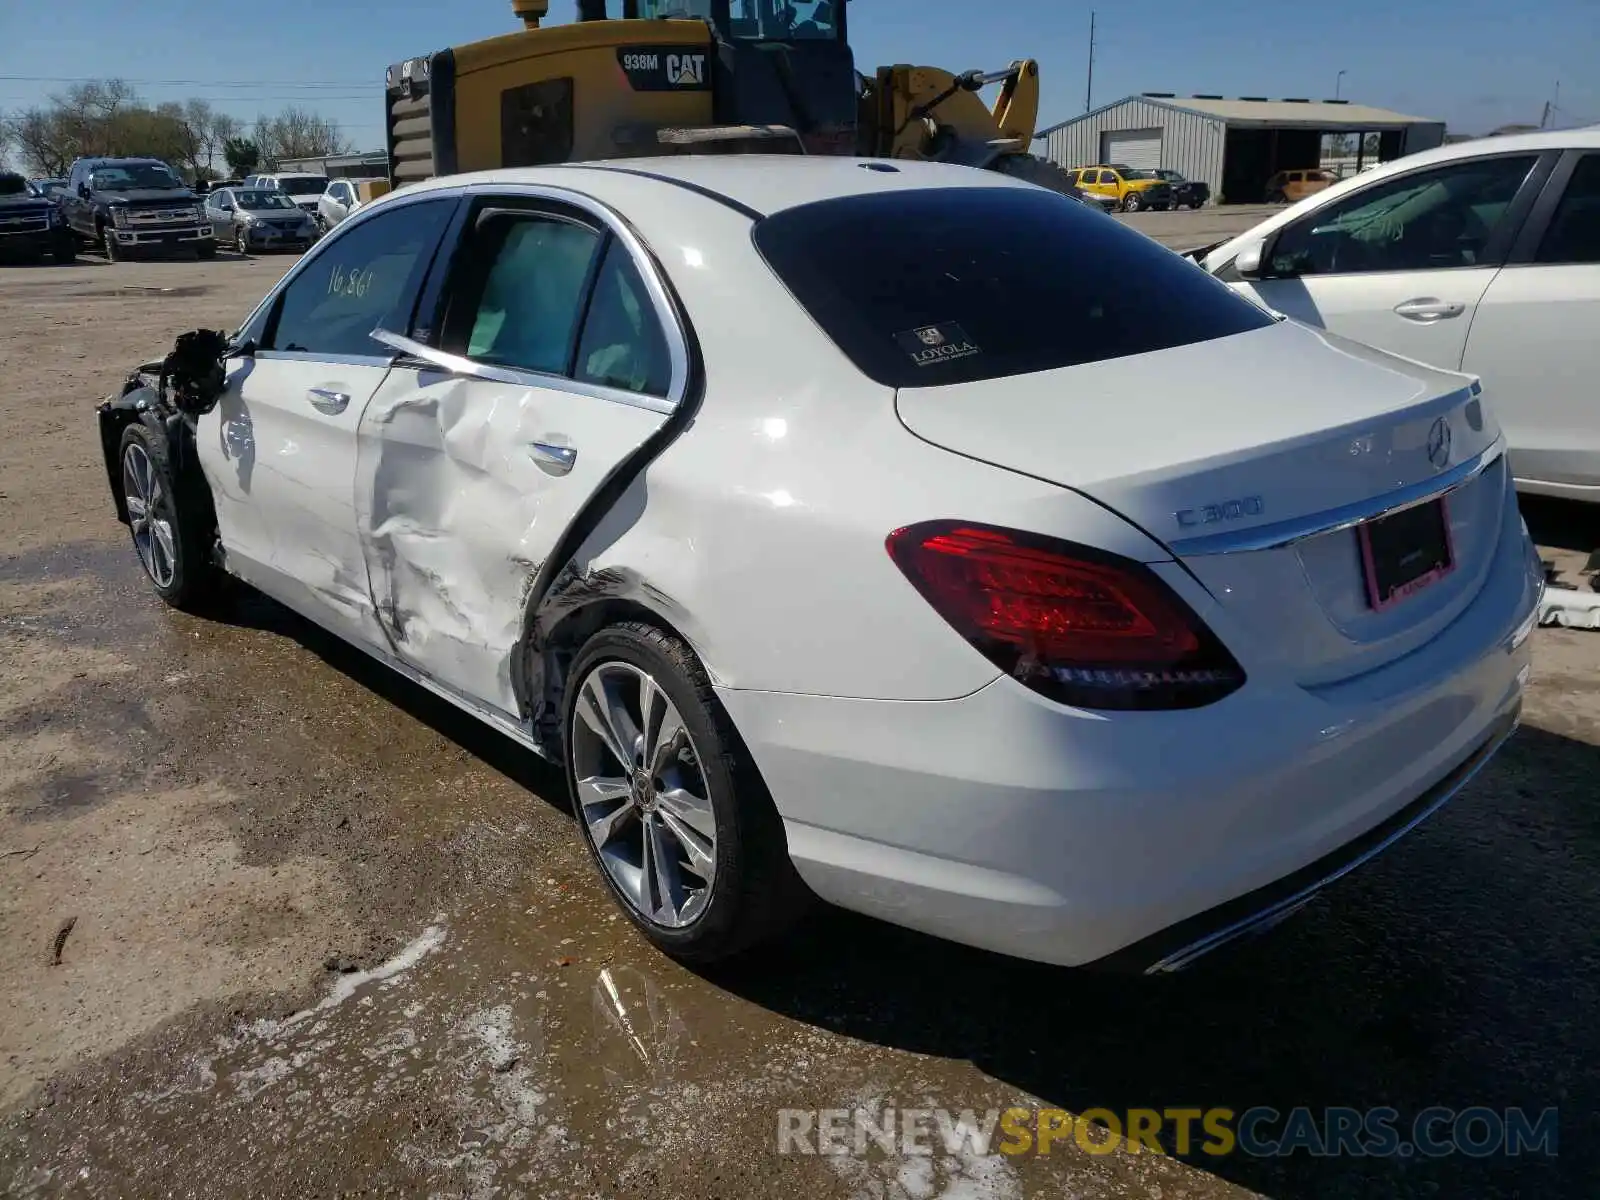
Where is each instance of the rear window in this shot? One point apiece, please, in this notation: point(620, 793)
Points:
point(926, 287)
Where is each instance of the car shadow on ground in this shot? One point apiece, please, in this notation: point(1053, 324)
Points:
point(246, 608)
point(1563, 524)
point(1458, 970)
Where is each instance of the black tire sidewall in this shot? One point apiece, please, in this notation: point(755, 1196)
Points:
point(1131, 202)
point(108, 245)
point(670, 663)
point(196, 583)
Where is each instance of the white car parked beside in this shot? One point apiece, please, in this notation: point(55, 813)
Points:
point(1482, 256)
point(841, 541)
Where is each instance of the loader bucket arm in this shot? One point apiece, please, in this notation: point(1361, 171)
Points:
point(1016, 110)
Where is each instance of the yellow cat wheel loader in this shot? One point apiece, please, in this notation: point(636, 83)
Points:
point(696, 77)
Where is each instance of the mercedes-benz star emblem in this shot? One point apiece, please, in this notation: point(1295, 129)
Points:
point(1439, 444)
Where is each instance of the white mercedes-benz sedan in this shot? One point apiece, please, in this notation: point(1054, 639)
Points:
point(896, 534)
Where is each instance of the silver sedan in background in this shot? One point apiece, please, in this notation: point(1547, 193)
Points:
point(341, 198)
point(259, 219)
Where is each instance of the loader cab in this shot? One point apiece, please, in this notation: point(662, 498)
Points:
point(778, 62)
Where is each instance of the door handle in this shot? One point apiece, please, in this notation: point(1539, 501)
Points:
point(546, 454)
point(1427, 308)
point(326, 400)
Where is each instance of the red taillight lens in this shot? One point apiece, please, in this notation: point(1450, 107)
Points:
point(1076, 624)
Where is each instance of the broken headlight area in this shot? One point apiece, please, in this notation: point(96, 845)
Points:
point(168, 394)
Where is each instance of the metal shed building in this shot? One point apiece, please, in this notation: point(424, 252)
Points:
point(1233, 145)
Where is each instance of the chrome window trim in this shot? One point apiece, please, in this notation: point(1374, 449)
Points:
point(339, 360)
point(456, 364)
point(644, 262)
point(1280, 534)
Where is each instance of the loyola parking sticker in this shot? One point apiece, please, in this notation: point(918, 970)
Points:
point(936, 343)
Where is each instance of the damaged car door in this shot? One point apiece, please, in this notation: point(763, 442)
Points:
point(557, 356)
point(282, 455)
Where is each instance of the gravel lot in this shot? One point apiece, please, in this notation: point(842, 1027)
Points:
point(328, 937)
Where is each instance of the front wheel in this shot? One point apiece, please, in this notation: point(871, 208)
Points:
point(1132, 203)
point(670, 804)
point(171, 538)
point(108, 244)
point(241, 243)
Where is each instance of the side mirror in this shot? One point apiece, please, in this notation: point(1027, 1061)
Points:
point(1248, 261)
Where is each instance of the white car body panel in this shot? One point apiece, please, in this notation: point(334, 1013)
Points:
point(1535, 330)
point(916, 782)
point(455, 513)
point(1524, 328)
point(1362, 307)
point(282, 474)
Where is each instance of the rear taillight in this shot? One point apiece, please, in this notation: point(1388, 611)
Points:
point(1081, 626)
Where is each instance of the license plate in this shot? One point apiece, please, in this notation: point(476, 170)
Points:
point(1405, 552)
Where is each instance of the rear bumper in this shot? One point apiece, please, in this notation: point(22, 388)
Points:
point(1004, 821)
point(1181, 945)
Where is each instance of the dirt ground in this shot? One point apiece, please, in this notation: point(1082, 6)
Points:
point(276, 923)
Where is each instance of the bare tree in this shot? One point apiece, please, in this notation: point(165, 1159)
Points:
point(42, 140)
point(297, 133)
point(106, 117)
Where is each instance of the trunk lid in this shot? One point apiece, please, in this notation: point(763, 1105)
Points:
point(1224, 449)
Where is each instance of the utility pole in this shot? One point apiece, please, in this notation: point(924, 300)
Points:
point(1338, 81)
point(1088, 91)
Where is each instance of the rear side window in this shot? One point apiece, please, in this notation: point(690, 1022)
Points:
point(1574, 233)
point(928, 287)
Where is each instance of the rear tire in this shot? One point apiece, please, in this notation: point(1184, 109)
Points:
point(661, 766)
point(172, 528)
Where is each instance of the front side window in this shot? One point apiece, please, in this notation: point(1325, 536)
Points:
point(622, 344)
point(1423, 221)
point(362, 278)
point(531, 300)
point(949, 285)
point(1574, 232)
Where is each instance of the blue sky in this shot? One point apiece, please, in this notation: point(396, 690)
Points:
point(1474, 63)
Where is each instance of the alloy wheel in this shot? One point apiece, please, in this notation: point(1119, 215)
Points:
point(642, 796)
point(149, 515)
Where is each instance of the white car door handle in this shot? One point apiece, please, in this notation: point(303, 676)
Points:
point(326, 400)
point(549, 455)
point(1427, 308)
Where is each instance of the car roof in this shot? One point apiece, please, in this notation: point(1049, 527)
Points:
point(762, 183)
